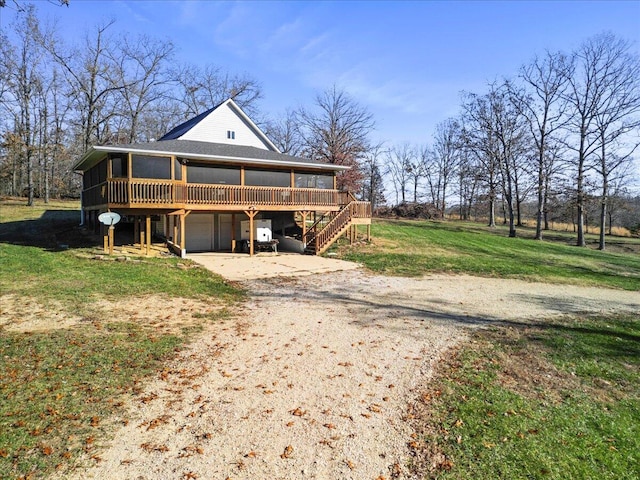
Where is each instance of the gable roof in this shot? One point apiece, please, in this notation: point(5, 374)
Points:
point(179, 130)
point(215, 124)
point(206, 151)
point(196, 138)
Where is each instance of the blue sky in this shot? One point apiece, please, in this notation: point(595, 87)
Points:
point(407, 62)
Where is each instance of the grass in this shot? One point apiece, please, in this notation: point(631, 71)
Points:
point(415, 248)
point(553, 401)
point(76, 279)
point(63, 388)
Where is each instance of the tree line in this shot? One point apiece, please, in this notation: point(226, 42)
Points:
point(57, 100)
point(560, 134)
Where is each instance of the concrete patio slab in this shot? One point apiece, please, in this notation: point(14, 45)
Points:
point(239, 266)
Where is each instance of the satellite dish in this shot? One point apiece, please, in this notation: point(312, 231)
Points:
point(109, 218)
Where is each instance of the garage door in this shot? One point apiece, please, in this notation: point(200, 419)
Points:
point(199, 230)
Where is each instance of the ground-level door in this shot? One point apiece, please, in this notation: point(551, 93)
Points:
point(200, 232)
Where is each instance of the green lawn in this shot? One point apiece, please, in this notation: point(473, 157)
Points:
point(415, 248)
point(63, 388)
point(551, 401)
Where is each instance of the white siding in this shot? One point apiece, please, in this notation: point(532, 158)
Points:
point(214, 127)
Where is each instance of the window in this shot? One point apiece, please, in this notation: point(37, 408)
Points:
point(119, 167)
point(147, 166)
point(231, 135)
point(213, 174)
point(313, 180)
point(267, 178)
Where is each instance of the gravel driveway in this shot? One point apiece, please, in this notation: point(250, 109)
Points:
point(313, 378)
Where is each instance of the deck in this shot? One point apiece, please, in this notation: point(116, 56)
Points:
point(169, 194)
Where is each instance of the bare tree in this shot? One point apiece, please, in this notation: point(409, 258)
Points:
point(541, 102)
point(90, 73)
point(481, 142)
point(284, 133)
point(23, 65)
point(143, 67)
point(497, 137)
point(599, 68)
point(373, 184)
point(337, 131)
point(446, 155)
point(399, 163)
point(199, 89)
point(469, 178)
point(615, 118)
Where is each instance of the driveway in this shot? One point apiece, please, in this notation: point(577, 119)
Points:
point(312, 378)
point(240, 266)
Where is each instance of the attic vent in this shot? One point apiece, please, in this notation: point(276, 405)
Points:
point(231, 135)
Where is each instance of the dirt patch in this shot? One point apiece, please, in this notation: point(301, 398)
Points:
point(167, 315)
point(313, 378)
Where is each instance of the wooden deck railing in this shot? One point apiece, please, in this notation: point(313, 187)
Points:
point(259, 196)
point(156, 192)
point(323, 238)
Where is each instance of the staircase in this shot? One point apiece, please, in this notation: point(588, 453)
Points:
point(319, 239)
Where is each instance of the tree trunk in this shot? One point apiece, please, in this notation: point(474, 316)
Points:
point(540, 213)
point(545, 207)
point(580, 241)
point(603, 211)
point(605, 193)
point(512, 226)
point(603, 222)
point(492, 209)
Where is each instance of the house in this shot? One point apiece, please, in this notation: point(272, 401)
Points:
point(209, 177)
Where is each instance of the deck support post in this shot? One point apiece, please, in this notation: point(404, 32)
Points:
point(175, 231)
point(143, 236)
point(304, 223)
point(148, 231)
point(111, 239)
point(182, 235)
point(251, 214)
point(233, 232)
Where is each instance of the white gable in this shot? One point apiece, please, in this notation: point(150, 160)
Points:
point(228, 124)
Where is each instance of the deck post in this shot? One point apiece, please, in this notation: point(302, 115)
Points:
point(251, 214)
point(304, 223)
point(233, 232)
point(142, 234)
point(111, 239)
point(175, 230)
point(182, 235)
point(148, 230)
